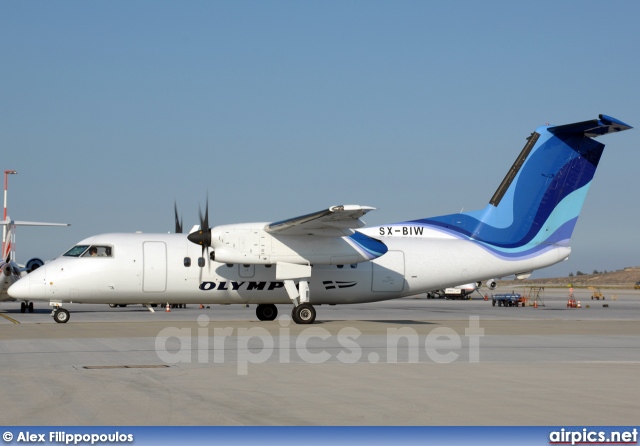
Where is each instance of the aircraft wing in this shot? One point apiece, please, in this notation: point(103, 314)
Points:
point(30, 223)
point(337, 221)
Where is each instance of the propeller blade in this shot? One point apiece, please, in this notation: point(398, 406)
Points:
point(178, 220)
point(206, 214)
point(205, 247)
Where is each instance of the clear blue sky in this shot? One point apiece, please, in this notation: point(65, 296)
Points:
point(111, 110)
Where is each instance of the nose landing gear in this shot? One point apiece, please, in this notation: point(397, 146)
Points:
point(60, 315)
point(26, 306)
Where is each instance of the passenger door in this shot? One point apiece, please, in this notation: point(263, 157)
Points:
point(154, 277)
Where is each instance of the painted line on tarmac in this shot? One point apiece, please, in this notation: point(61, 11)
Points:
point(9, 318)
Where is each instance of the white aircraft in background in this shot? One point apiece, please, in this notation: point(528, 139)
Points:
point(466, 290)
point(12, 271)
point(455, 292)
point(328, 257)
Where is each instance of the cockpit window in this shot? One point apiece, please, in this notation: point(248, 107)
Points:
point(90, 251)
point(98, 251)
point(76, 251)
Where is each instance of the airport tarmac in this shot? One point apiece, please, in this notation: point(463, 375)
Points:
point(411, 361)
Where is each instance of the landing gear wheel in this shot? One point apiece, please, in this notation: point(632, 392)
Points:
point(303, 314)
point(23, 307)
point(61, 316)
point(266, 312)
point(30, 307)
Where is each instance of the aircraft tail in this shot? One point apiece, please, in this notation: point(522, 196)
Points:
point(537, 204)
point(7, 246)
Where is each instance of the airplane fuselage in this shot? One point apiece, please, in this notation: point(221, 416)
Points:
point(161, 268)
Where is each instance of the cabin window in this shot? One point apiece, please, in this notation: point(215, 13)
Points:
point(187, 262)
point(201, 262)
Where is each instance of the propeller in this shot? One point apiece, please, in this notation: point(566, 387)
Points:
point(178, 220)
point(203, 236)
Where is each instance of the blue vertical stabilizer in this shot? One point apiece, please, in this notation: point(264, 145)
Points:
point(538, 202)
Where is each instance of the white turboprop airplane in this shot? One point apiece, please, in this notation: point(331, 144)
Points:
point(12, 271)
point(327, 257)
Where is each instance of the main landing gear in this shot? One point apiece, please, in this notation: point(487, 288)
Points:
point(24, 306)
point(303, 314)
point(60, 315)
point(266, 312)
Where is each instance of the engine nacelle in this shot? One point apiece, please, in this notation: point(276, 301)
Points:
point(491, 284)
point(8, 276)
point(33, 264)
point(6, 270)
point(250, 244)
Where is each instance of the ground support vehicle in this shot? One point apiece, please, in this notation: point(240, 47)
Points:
point(507, 300)
point(596, 293)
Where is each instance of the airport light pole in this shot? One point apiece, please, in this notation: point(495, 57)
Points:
point(4, 227)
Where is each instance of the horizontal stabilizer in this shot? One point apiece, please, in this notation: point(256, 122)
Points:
point(592, 128)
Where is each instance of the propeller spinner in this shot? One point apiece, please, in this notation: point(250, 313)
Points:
point(203, 236)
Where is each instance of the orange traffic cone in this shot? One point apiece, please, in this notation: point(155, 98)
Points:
point(168, 310)
point(201, 306)
point(535, 304)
